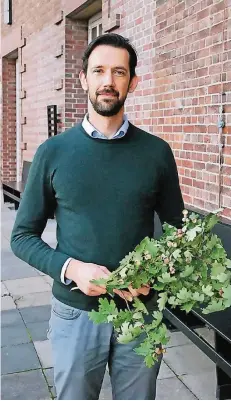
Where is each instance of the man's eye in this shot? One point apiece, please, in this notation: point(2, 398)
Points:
point(97, 70)
point(118, 72)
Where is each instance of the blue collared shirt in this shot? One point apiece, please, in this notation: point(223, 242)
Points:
point(92, 131)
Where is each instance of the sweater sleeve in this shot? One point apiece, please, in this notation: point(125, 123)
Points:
point(36, 206)
point(170, 203)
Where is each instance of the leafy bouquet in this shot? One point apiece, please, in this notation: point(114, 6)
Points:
point(188, 269)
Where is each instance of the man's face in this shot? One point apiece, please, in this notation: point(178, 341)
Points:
point(108, 79)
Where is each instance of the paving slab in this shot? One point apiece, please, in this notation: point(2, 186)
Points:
point(177, 338)
point(7, 303)
point(203, 385)
point(11, 317)
point(44, 352)
point(26, 286)
point(207, 334)
point(173, 389)
point(5, 243)
point(4, 290)
point(106, 393)
point(36, 313)
point(14, 335)
point(18, 358)
point(25, 386)
point(37, 299)
point(49, 280)
point(165, 372)
point(49, 373)
point(38, 330)
point(188, 359)
point(13, 268)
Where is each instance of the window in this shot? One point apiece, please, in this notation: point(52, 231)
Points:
point(8, 12)
point(95, 27)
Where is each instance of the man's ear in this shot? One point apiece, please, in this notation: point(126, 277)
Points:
point(83, 80)
point(133, 84)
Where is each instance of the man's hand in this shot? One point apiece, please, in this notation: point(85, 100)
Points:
point(82, 273)
point(144, 290)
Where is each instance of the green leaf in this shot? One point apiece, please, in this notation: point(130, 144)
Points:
point(214, 306)
point(144, 349)
point(212, 242)
point(210, 221)
point(188, 255)
point(184, 294)
point(192, 233)
point(152, 248)
point(176, 253)
point(100, 281)
point(97, 317)
point(139, 305)
point(137, 316)
point(207, 290)
point(227, 293)
point(166, 278)
point(228, 263)
point(198, 297)
point(187, 272)
point(162, 300)
point(217, 268)
point(187, 306)
point(110, 318)
point(158, 286)
point(123, 272)
point(222, 277)
point(173, 301)
point(149, 361)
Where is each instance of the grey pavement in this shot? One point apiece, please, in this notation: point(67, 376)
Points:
point(27, 367)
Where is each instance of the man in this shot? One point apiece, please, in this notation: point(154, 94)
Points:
point(103, 179)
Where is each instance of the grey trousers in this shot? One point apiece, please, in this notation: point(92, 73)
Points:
point(81, 351)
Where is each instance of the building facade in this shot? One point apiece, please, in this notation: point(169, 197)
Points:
point(184, 91)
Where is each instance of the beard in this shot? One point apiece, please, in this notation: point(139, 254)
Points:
point(107, 107)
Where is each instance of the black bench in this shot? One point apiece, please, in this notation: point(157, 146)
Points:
point(13, 190)
point(219, 322)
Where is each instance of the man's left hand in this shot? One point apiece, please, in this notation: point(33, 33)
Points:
point(129, 295)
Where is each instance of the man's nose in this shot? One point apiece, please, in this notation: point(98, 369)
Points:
point(108, 79)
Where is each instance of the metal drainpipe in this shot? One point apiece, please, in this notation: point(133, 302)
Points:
point(221, 124)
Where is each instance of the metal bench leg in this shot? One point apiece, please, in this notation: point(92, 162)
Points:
point(223, 380)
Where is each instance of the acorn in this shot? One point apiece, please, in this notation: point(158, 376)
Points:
point(221, 292)
point(158, 351)
point(147, 256)
point(172, 270)
point(166, 261)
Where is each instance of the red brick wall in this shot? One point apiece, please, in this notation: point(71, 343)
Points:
point(75, 44)
point(184, 50)
point(32, 16)
point(8, 144)
point(43, 72)
point(184, 65)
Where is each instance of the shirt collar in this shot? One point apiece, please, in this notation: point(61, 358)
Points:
point(93, 132)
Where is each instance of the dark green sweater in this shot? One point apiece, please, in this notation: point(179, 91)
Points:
point(103, 194)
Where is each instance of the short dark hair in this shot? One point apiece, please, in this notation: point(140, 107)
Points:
point(115, 40)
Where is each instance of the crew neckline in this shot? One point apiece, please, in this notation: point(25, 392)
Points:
point(107, 141)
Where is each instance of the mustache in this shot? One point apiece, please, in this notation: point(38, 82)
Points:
point(107, 91)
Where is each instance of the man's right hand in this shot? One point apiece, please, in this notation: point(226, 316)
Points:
point(82, 273)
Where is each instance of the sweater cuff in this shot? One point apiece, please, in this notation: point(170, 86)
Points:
point(65, 280)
